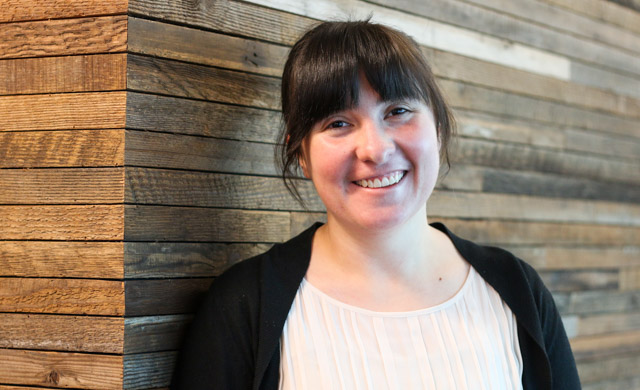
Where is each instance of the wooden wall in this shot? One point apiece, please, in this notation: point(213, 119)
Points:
point(136, 163)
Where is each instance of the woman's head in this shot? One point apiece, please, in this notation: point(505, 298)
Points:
point(323, 72)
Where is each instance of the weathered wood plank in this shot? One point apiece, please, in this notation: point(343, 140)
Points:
point(148, 370)
point(202, 189)
point(154, 333)
point(630, 278)
point(202, 47)
point(100, 72)
point(15, 10)
point(93, 222)
point(501, 233)
point(186, 116)
point(602, 144)
point(599, 78)
point(105, 110)
point(61, 369)
point(603, 11)
point(173, 259)
point(72, 148)
point(521, 157)
point(164, 296)
point(233, 17)
point(62, 186)
point(576, 258)
point(165, 223)
point(55, 259)
point(599, 302)
point(467, 96)
point(599, 346)
point(147, 149)
point(580, 280)
point(62, 333)
point(174, 78)
point(608, 323)
point(629, 383)
point(91, 35)
point(616, 367)
point(62, 296)
point(499, 206)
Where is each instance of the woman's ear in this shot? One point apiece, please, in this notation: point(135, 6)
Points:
point(303, 164)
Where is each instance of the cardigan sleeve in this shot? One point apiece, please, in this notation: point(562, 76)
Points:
point(218, 350)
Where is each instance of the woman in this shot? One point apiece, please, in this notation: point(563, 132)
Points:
point(376, 298)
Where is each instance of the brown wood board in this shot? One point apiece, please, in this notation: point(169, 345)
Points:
point(580, 280)
point(606, 345)
point(611, 368)
point(165, 223)
point(45, 222)
point(62, 333)
point(94, 110)
point(602, 11)
point(175, 78)
point(161, 150)
point(55, 259)
point(93, 35)
point(64, 148)
point(608, 323)
point(202, 189)
point(62, 296)
point(580, 257)
point(62, 186)
point(164, 296)
point(15, 10)
point(100, 72)
point(177, 259)
point(61, 369)
point(203, 47)
point(598, 302)
point(186, 116)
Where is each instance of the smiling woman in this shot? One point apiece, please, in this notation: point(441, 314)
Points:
point(376, 298)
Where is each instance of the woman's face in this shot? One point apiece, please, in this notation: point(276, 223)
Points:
point(375, 165)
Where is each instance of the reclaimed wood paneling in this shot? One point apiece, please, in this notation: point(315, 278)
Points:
point(106, 34)
point(154, 333)
point(100, 72)
point(17, 10)
point(166, 296)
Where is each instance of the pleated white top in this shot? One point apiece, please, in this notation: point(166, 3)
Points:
point(468, 342)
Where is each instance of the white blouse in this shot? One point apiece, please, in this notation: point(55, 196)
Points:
point(468, 342)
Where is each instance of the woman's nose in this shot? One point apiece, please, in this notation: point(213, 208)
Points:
point(374, 144)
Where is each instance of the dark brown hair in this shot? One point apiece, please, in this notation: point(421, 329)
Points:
point(321, 77)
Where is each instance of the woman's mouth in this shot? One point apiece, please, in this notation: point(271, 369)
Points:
point(382, 181)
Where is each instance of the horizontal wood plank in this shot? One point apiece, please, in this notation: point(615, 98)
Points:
point(611, 368)
point(591, 325)
point(174, 78)
point(93, 222)
point(62, 296)
point(164, 296)
point(62, 333)
point(549, 257)
point(598, 302)
point(599, 346)
point(15, 10)
point(148, 370)
point(154, 333)
point(91, 35)
point(202, 189)
point(165, 223)
point(175, 259)
point(61, 369)
point(62, 186)
point(100, 72)
point(580, 280)
point(54, 259)
point(106, 110)
point(203, 47)
point(160, 150)
point(606, 11)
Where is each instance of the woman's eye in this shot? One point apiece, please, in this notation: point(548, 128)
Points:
point(397, 111)
point(337, 124)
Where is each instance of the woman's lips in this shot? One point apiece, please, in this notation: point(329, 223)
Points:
point(381, 181)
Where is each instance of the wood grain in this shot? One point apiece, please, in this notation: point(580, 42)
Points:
point(202, 189)
point(174, 78)
point(600, 302)
point(203, 47)
point(186, 116)
point(54, 259)
point(148, 370)
point(175, 259)
point(62, 333)
point(15, 10)
point(154, 333)
point(62, 296)
point(603, 11)
point(159, 150)
point(92, 222)
point(61, 369)
point(165, 296)
point(163, 223)
point(91, 35)
point(608, 323)
point(106, 110)
point(62, 186)
point(611, 368)
point(581, 280)
point(548, 257)
point(65, 148)
point(100, 72)
point(606, 345)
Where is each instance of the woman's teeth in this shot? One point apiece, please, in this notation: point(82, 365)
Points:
point(385, 181)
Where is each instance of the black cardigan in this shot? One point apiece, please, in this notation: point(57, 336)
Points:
point(233, 342)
